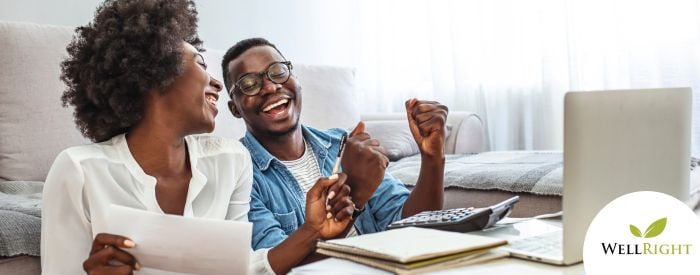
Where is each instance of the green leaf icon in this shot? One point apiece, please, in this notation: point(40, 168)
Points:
point(656, 228)
point(635, 231)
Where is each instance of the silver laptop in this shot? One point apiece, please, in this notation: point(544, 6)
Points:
point(615, 142)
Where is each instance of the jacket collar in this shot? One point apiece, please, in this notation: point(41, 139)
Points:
point(318, 140)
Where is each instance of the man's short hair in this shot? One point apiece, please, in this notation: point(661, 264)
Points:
point(239, 48)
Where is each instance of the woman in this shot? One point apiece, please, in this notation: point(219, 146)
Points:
point(140, 89)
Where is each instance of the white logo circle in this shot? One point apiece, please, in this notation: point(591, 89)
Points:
point(643, 233)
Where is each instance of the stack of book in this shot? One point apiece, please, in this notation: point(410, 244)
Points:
point(414, 250)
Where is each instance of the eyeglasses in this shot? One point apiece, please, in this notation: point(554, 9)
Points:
point(250, 84)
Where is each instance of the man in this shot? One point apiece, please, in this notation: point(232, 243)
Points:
point(288, 157)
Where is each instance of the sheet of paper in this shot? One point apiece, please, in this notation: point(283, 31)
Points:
point(183, 244)
point(519, 230)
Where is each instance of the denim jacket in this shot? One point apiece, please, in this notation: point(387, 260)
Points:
point(278, 204)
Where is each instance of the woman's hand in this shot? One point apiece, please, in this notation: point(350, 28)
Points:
point(107, 249)
point(332, 220)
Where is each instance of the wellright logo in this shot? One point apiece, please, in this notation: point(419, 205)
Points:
point(632, 236)
point(647, 248)
point(655, 229)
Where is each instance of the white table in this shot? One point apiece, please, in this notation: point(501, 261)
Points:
point(516, 266)
point(496, 267)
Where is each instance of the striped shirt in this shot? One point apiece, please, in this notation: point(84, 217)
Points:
point(306, 171)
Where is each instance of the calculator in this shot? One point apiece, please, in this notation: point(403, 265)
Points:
point(459, 219)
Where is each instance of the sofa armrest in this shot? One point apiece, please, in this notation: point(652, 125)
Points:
point(466, 137)
point(468, 134)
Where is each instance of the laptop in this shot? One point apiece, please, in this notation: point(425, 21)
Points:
point(615, 142)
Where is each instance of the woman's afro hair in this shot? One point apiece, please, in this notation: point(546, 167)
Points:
point(132, 47)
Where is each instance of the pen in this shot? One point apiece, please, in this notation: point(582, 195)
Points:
point(340, 154)
point(336, 166)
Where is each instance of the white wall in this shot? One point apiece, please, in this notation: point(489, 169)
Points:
point(224, 22)
point(67, 12)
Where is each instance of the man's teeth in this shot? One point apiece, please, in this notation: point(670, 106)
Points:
point(211, 99)
point(273, 105)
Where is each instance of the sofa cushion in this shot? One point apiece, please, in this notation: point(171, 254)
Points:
point(35, 127)
point(328, 95)
point(394, 136)
point(535, 172)
point(20, 218)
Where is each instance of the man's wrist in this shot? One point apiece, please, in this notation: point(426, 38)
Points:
point(433, 158)
point(309, 232)
point(359, 202)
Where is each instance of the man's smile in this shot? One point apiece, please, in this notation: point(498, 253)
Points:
point(278, 108)
point(275, 105)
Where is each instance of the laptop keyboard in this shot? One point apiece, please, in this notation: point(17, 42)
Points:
point(549, 244)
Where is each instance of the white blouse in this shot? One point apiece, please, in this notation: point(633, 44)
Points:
point(85, 180)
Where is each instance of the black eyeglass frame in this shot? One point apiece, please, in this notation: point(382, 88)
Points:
point(260, 75)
